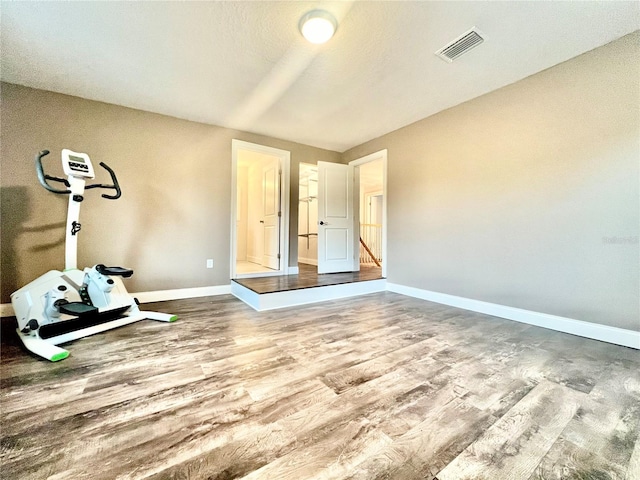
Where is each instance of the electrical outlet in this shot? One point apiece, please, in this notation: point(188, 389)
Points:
point(209, 262)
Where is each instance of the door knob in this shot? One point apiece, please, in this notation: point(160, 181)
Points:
point(323, 223)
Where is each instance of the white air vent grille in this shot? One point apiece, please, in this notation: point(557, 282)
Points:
point(460, 45)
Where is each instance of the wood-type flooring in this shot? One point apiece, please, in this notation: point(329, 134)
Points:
point(381, 386)
point(308, 278)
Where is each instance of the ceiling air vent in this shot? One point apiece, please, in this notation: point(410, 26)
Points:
point(460, 45)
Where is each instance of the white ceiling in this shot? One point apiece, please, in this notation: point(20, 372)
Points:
point(244, 65)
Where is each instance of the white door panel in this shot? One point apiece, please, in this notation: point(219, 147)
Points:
point(335, 218)
point(336, 244)
point(336, 189)
point(271, 207)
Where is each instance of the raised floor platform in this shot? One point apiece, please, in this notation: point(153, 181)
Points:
point(268, 293)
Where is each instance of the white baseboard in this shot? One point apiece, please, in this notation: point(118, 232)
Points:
point(308, 261)
point(604, 333)
point(304, 296)
point(294, 270)
point(180, 293)
point(6, 310)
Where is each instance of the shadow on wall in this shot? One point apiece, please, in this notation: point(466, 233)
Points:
point(14, 210)
point(155, 215)
point(14, 205)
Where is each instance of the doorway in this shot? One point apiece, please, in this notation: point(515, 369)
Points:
point(327, 201)
point(370, 174)
point(260, 210)
point(308, 215)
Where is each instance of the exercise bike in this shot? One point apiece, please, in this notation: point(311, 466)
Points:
point(60, 307)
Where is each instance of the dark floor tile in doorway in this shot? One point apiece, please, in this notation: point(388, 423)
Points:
point(308, 278)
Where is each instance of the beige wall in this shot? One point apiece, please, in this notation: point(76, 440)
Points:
point(176, 180)
point(527, 196)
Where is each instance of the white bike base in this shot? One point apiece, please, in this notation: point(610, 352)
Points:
point(46, 347)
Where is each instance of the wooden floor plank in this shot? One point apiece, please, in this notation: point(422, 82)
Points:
point(331, 456)
point(308, 278)
point(633, 469)
point(567, 460)
point(514, 446)
point(371, 387)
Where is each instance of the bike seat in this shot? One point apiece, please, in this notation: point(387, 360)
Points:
point(119, 271)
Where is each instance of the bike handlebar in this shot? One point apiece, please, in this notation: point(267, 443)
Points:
point(42, 177)
point(115, 185)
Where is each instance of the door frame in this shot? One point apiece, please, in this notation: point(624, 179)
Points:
point(285, 166)
point(380, 155)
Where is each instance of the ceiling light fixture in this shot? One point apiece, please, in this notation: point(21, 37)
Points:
point(318, 26)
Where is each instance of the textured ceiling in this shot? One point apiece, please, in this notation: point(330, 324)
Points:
point(244, 65)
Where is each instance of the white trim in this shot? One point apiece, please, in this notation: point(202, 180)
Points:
point(308, 261)
point(6, 309)
point(253, 259)
point(180, 293)
point(382, 154)
point(294, 270)
point(604, 333)
point(304, 296)
point(285, 188)
point(596, 331)
point(275, 273)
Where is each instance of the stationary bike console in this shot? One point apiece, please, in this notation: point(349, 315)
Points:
point(77, 164)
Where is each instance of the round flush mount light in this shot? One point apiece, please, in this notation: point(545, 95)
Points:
point(318, 26)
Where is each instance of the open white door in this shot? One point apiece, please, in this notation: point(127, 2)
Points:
point(336, 228)
point(271, 213)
